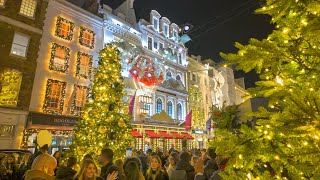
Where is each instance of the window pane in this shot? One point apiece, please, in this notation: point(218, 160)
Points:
point(19, 44)
point(64, 29)
point(80, 100)
point(179, 111)
point(54, 97)
point(159, 106)
point(155, 23)
point(168, 75)
point(87, 38)
point(60, 58)
point(169, 109)
point(149, 43)
point(10, 81)
point(28, 7)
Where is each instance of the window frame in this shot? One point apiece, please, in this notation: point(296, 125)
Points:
point(90, 58)
point(26, 47)
point(179, 117)
point(34, 12)
point(167, 75)
point(170, 111)
point(74, 108)
point(166, 26)
point(52, 58)
point(84, 30)
point(159, 104)
point(157, 20)
point(57, 31)
point(148, 47)
point(61, 100)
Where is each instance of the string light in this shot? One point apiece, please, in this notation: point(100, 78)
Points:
point(63, 21)
point(81, 37)
point(45, 107)
point(279, 80)
point(52, 64)
point(90, 58)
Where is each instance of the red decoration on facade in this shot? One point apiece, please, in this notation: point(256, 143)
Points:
point(145, 70)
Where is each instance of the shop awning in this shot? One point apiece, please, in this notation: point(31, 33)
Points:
point(176, 135)
point(136, 133)
point(187, 135)
point(165, 135)
point(152, 134)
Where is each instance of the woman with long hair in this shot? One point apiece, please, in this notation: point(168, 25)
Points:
point(57, 156)
point(172, 160)
point(132, 171)
point(10, 167)
point(155, 171)
point(88, 171)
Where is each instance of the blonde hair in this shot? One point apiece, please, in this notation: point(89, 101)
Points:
point(43, 160)
point(149, 172)
point(85, 164)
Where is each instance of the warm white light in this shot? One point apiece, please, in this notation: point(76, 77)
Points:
point(279, 80)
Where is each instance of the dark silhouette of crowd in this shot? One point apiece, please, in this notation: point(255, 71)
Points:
point(193, 164)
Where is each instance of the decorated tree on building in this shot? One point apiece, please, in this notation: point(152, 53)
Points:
point(105, 122)
point(284, 143)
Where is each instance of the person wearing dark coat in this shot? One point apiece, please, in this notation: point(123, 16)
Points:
point(67, 172)
point(42, 150)
point(155, 171)
point(184, 164)
point(106, 159)
point(211, 165)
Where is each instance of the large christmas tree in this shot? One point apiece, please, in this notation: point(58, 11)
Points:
point(105, 121)
point(285, 142)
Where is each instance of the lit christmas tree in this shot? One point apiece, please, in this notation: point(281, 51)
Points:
point(105, 122)
point(285, 142)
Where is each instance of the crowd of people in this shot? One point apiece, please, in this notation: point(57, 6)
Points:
point(153, 165)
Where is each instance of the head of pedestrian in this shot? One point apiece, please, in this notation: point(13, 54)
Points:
point(106, 156)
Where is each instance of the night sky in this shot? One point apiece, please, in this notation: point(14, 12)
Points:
point(227, 26)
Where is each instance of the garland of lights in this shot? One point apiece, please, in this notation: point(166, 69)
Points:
point(73, 105)
point(82, 30)
point(61, 20)
point(78, 65)
point(46, 98)
point(53, 52)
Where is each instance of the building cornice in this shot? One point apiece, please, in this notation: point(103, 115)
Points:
point(125, 32)
point(20, 24)
point(75, 11)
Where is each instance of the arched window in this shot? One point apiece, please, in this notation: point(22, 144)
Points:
point(159, 105)
point(168, 75)
point(170, 109)
point(178, 78)
point(179, 111)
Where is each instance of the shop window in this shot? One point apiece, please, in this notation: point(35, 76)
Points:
point(168, 75)
point(20, 44)
point(179, 111)
point(7, 131)
point(28, 8)
point(149, 43)
point(84, 65)
point(64, 28)
point(59, 58)
point(158, 105)
point(170, 109)
point(54, 97)
point(2, 3)
point(86, 37)
point(10, 81)
point(79, 100)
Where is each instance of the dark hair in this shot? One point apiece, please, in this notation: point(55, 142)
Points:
point(212, 153)
point(203, 150)
point(175, 157)
point(44, 147)
point(185, 156)
point(149, 151)
point(133, 159)
point(131, 171)
point(71, 161)
point(108, 153)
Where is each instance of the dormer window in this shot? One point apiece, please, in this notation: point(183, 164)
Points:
point(175, 34)
point(166, 30)
point(156, 23)
point(149, 43)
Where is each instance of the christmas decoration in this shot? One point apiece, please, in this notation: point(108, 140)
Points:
point(103, 125)
point(86, 76)
point(62, 30)
point(10, 81)
point(52, 65)
point(47, 99)
point(283, 141)
point(73, 105)
point(81, 37)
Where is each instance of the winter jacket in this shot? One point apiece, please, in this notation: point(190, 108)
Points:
point(188, 168)
point(161, 176)
point(210, 168)
point(65, 173)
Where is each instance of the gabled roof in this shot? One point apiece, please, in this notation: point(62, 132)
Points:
point(174, 85)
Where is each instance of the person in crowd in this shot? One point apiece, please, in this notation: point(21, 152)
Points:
point(67, 172)
point(204, 156)
point(119, 164)
point(172, 149)
point(23, 166)
point(211, 165)
point(57, 156)
point(132, 171)
point(88, 156)
point(88, 171)
point(10, 168)
point(184, 142)
point(158, 152)
point(173, 160)
point(164, 157)
point(144, 161)
point(222, 162)
point(184, 169)
point(43, 167)
point(2, 168)
point(106, 160)
point(42, 150)
point(134, 159)
point(155, 171)
point(199, 170)
point(194, 160)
